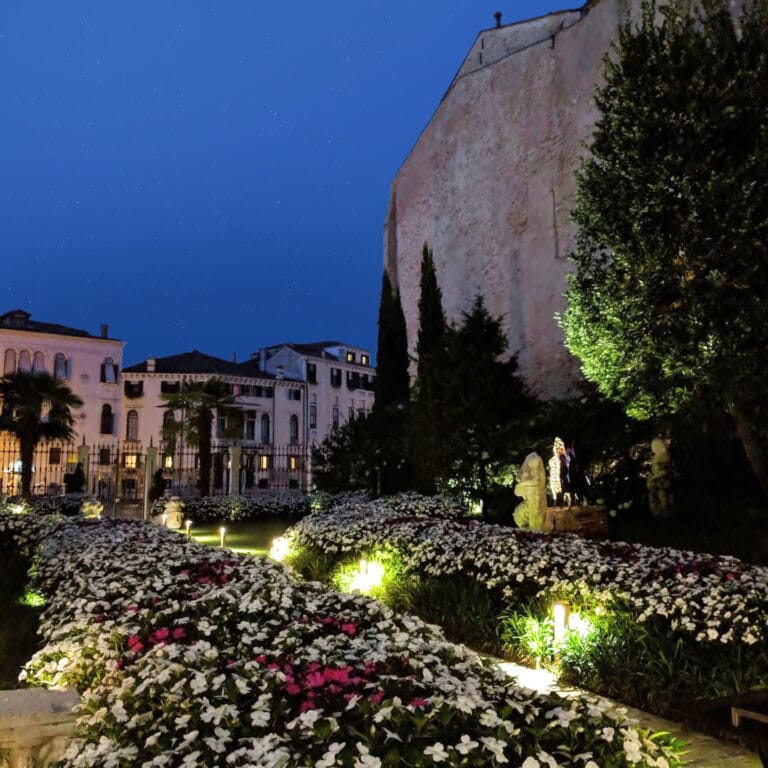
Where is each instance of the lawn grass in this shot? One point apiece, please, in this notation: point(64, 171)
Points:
point(252, 537)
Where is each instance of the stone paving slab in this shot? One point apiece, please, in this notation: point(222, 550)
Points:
point(703, 751)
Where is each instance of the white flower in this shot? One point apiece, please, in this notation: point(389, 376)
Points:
point(329, 758)
point(466, 745)
point(437, 752)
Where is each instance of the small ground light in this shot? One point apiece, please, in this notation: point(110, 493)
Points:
point(560, 615)
point(165, 520)
point(222, 534)
point(188, 526)
point(280, 549)
point(368, 577)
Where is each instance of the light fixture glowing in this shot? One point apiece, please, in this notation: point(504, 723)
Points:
point(168, 462)
point(368, 577)
point(188, 526)
point(560, 614)
point(222, 535)
point(281, 548)
point(165, 520)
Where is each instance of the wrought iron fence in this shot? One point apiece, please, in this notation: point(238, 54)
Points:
point(118, 471)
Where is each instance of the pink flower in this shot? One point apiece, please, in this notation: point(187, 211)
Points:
point(133, 642)
point(349, 629)
point(376, 697)
point(161, 634)
point(178, 633)
point(418, 703)
point(293, 689)
point(314, 680)
point(306, 706)
point(261, 659)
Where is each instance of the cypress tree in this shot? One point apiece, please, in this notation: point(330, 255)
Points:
point(392, 382)
point(427, 420)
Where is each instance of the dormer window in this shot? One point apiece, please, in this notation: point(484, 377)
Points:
point(350, 357)
point(365, 360)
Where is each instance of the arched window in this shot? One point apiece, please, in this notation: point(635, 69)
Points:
point(106, 419)
point(9, 362)
point(294, 430)
point(169, 419)
point(265, 428)
point(60, 366)
point(38, 363)
point(25, 361)
point(109, 371)
point(132, 425)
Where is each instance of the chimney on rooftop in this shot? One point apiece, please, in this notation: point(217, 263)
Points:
point(104, 331)
point(497, 16)
point(150, 365)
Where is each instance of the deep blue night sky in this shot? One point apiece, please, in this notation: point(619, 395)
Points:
point(214, 174)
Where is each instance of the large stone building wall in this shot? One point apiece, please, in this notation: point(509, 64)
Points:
point(490, 183)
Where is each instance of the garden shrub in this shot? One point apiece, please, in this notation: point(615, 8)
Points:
point(203, 509)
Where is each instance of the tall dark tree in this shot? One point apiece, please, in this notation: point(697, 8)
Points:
point(35, 407)
point(431, 373)
point(347, 459)
point(667, 303)
point(392, 379)
point(485, 409)
point(199, 402)
point(388, 423)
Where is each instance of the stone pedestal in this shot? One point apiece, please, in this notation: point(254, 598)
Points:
point(35, 725)
point(588, 521)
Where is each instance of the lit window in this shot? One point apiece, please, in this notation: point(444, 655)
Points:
point(168, 462)
point(350, 357)
point(293, 463)
point(131, 461)
point(365, 360)
point(264, 461)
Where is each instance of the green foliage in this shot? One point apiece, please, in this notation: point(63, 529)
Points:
point(35, 407)
point(672, 214)
point(198, 402)
point(347, 459)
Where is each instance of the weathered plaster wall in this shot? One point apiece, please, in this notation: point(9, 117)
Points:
point(490, 182)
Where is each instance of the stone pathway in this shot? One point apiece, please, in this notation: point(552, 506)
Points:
point(703, 751)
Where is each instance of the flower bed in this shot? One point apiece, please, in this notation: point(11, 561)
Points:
point(190, 656)
point(203, 509)
point(715, 606)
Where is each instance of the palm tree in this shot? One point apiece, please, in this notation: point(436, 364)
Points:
point(35, 407)
point(199, 402)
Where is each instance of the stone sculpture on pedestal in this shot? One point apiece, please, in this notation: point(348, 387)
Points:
point(531, 485)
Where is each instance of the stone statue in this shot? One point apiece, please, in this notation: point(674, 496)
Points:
point(531, 485)
point(659, 479)
point(174, 512)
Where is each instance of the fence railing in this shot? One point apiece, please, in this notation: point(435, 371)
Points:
point(118, 470)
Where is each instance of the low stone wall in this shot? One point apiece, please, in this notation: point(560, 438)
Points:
point(35, 725)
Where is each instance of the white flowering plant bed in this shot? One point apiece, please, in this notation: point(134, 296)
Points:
point(704, 614)
point(189, 656)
